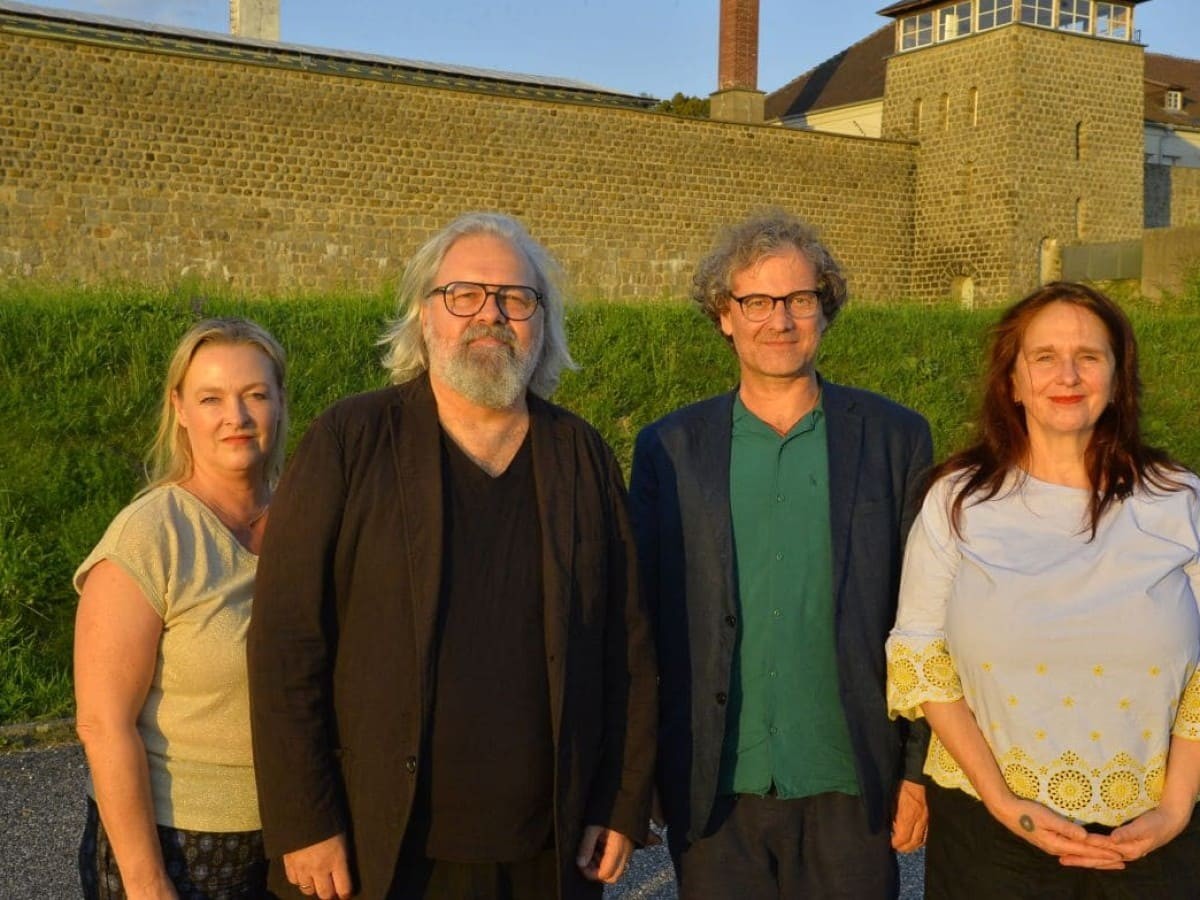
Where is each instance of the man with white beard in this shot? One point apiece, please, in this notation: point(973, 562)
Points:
point(451, 670)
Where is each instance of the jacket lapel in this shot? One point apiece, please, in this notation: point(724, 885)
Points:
point(416, 442)
point(710, 447)
point(844, 435)
point(554, 472)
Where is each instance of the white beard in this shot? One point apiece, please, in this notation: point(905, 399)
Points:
point(492, 377)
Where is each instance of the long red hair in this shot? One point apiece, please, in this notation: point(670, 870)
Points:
point(1116, 459)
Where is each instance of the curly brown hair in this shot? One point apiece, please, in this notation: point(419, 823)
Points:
point(766, 233)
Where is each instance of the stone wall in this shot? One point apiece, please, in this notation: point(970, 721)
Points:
point(1185, 196)
point(1170, 258)
point(999, 116)
point(148, 164)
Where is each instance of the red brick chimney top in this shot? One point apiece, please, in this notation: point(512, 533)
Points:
point(738, 60)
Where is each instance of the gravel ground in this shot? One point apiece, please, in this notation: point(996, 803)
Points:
point(41, 811)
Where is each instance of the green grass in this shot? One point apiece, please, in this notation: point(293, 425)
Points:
point(80, 375)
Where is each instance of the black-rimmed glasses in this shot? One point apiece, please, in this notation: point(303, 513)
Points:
point(516, 302)
point(798, 304)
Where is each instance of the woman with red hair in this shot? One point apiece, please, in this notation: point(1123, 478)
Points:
point(1048, 627)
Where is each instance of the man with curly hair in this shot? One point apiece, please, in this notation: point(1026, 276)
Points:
point(770, 523)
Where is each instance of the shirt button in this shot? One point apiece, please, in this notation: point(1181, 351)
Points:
point(779, 498)
point(778, 556)
point(772, 673)
point(411, 764)
point(774, 730)
point(731, 621)
point(722, 697)
point(777, 613)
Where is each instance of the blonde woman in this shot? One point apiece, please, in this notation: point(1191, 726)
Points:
point(165, 597)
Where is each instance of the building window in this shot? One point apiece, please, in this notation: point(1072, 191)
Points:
point(916, 31)
point(974, 107)
point(1079, 224)
point(1174, 101)
point(1112, 21)
point(994, 13)
point(1078, 141)
point(945, 112)
point(1075, 15)
point(918, 106)
point(954, 21)
point(1038, 12)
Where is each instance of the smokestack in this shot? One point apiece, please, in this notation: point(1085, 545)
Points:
point(254, 19)
point(738, 98)
point(737, 66)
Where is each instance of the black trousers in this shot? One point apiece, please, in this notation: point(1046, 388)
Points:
point(971, 856)
point(421, 878)
point(762, 847)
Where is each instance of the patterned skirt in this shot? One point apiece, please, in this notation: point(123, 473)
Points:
point(203, 865)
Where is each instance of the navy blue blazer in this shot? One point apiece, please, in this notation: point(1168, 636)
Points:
point(679, 491)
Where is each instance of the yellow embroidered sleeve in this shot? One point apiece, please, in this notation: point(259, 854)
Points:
point(917, 674)
point(1187, 718)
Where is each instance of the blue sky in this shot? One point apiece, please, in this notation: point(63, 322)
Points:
point(656, 47)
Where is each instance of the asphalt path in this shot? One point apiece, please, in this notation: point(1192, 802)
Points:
point(41, 818)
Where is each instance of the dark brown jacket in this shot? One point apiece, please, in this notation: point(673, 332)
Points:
point(340, 645)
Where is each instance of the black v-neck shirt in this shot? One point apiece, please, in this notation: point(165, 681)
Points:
point(490, 768)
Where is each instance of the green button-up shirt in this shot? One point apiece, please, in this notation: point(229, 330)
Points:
point(786, 727)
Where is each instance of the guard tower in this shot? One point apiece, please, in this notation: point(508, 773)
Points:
point(1028, 114)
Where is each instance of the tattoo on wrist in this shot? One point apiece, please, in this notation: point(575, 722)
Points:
point(1026, 823)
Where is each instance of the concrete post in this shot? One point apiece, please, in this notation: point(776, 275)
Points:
point(254, 19)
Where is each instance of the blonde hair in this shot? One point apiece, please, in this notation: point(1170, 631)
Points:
point(170, 456)
point(406, 355)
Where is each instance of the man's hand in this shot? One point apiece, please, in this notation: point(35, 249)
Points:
point(911, 824)
point(321, 870)
point(603, 854)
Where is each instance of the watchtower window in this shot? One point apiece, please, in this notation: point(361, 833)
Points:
point(1112, 21)
point(1038, 12)
point(954, 21)
point(994, 13)
point(1174, 101)
point(916, 31)
point(1075, 15)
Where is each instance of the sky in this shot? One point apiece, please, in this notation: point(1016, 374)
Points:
point(655, 47)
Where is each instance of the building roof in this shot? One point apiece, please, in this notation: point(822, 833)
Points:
point(1167, 73)
point(855, 75)
point(46, 22)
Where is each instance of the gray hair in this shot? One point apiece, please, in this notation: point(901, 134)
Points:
point(766, 233)
point(170, 456)
point(406, 355)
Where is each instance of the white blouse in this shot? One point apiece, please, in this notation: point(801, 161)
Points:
point(1077, 656)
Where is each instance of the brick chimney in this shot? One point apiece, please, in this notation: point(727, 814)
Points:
point(254, 19)
point(738, 98)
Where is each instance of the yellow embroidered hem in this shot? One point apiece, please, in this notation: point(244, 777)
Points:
point(918, 674)
point(1111, 794)
point(1187, 718)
